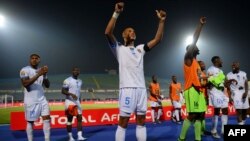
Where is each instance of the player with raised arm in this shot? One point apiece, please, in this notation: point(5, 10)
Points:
point(133, 92)
point(194, 99)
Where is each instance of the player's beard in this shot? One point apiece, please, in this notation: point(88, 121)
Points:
point(133, 38)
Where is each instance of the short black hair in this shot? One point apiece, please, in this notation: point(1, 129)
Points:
point(214, 58)
point(34, 54)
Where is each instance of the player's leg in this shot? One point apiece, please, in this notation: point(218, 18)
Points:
point(248, 110)
point(79, 122)
point(244, 115)
point(224, 110)
point(190, 118)
point(69, 127)
point(29, 130)
point(215, 123)
point(159, 114)
point(141, 131)
point(70, 111)
point(177, 112)
point(217, 104)
point(32, 113)
point(46, 120)
point(126, 107)
point(141, 109)
point(122, 126)
point(185, 126)
point(153, 110)
point(79, 128)
point(203, 125)
point(239, 116)
point(224, 118)
point(46, 127)
point(197, 126)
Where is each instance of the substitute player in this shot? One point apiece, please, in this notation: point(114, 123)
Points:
point(175, 93)
point(72, 88)
point(155, 100)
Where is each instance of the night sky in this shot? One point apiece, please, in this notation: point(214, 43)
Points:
point(71, 33)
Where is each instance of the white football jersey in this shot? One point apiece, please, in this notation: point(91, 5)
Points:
point(35, 92)
point(73, 86)
point(130, 59)
point(214, 71)
point(240, 77)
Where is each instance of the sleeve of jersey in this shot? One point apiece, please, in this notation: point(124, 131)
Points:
point(65, 84)
point(113, 47)
point(218, 80)
point(146, 48)
point(245, 75)
point(24, 73)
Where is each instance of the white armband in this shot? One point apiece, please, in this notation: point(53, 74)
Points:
point(115, 15)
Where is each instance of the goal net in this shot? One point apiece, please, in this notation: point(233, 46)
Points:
point(6, 101)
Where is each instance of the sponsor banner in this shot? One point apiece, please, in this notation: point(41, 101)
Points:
point(94, 117)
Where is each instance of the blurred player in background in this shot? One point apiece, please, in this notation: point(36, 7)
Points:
point(155, 100)
point(175, 93)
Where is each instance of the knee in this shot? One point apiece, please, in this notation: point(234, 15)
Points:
point(79, 118)
point(70, 118)
point(123, 121)
point(216, 111)
point(225, 111)
point(47, 117)
point(140, 120)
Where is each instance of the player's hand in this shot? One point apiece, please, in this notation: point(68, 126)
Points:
point(161, 14)
point(203, 20)
point(74, 96)
point(119, 7)
point(244, 96)
point(234, 81)
point(42, 71)
point(45, 69)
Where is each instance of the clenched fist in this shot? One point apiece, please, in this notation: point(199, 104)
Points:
point(161, 14)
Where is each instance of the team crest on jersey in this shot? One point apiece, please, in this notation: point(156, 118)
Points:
point(139, 50)
point(22, 73)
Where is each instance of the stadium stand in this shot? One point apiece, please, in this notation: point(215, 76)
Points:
point(95, 87)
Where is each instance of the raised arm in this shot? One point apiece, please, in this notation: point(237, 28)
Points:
point(198, 30)
point(192, 50)
point(111, 24)
point(159, 34)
